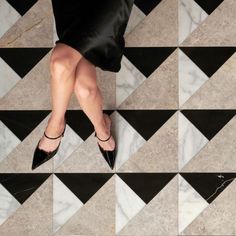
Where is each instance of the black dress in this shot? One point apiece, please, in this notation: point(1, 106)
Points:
point(95, 28)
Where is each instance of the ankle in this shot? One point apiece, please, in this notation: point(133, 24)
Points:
point(102, 131)
point(56, 121)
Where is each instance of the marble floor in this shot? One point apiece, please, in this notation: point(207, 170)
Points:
point(173, 111)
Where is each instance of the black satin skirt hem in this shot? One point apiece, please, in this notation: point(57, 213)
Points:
point(97, 56)
point(94, 28)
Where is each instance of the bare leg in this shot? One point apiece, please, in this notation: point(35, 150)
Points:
point(63, 62)
point(90, 100)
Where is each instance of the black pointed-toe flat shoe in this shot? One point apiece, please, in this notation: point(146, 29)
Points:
point(109, 155)
point(40, 156)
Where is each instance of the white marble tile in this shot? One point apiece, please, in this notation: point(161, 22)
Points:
point(191, 204)
point(136, 17)
point(8, 78)
point(128, 140)
point(191, 140)
point(8, 204)
point(127, 80)
point(69, 143)
point(190, 17)
point(128, 204)
point(65, 204)
point(8, 16)
point(8, 141)
point(191, 78)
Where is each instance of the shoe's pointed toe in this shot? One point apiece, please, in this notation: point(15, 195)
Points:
point(109, 156)
point(39, 157)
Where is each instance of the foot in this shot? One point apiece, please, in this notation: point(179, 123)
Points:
point(53, 129)
point(109, 145)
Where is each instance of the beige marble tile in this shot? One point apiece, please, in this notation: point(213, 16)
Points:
point(159, 153)
point(219, 91)
point(219, 154)
point(159, 216)
point(159, 27)
point(159, 90)
point(34, 217)
point(31, 92)
point(218, 29)
point(33, 29)
point(95, 217)
point(20, 158)
point(218, 218)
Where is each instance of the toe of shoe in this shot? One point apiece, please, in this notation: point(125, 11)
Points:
point(109, 156)
point(39, 157)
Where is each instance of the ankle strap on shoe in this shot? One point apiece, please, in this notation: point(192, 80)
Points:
point(103, 140)
point(53, 137)
point(62, 134)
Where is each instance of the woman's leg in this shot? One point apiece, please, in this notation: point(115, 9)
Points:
point(90, 100)
point(63, 62)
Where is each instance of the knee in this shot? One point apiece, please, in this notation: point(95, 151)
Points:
point(61, 62)
point(85, 91)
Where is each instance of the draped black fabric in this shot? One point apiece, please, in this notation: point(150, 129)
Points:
point(95, 28)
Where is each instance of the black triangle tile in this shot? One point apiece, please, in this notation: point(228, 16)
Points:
point(146, 6)
point(209, 185)
point(80, 122)
point(22, 185)
point(22, 60)
point(146, 122)
point(147, 59)
point(146, 185)
point(22, 6)
point(209, 59)
point(22, 122)
point(209, 6)
point(84, 185)
point(209, 122)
